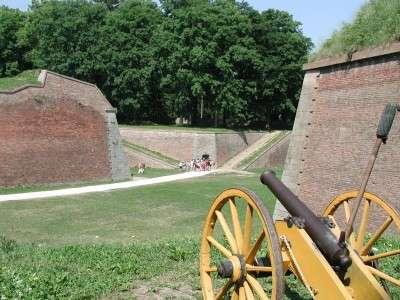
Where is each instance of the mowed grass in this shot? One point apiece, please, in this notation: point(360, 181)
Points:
point(47, 187)
point(154, 172)
point(149, 173)
point(142, 214)
point(26, 77)
point(107, 245)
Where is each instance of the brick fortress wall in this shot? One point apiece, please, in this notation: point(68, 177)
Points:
point(61, 131)
point(335, 128)
point(274, 156)
point(184, 146)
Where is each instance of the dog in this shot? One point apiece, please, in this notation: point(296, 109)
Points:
point(141, 167)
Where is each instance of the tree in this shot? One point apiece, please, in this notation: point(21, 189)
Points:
point(214, 62)
point(64, 37)
point(203, 47)
point(110, 4)
point(129, 61)
point(12, 54)
point(284, 50)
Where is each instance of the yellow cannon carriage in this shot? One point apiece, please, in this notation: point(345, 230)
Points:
point(244, 254)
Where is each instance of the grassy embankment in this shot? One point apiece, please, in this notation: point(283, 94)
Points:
point(151, 153)
point(376, 23)
point(251, 158)
point(26, 77)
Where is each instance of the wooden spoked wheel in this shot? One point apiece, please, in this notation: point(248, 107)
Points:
point(240, 254)
point(376, 221)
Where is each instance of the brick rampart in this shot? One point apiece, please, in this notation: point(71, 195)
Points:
point(186, 145)
point(273, 157)
point(335, 128)
point(57, 132)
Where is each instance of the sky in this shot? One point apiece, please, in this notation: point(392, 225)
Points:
point(319, 18)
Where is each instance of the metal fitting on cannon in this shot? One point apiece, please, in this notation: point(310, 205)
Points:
point(334, 250)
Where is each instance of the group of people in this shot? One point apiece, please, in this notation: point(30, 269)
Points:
point(197, 164)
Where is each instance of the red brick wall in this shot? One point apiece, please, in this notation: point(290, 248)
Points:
point(228, 144)
point(56, 133)
point(273, 157)
point(341, 119)
point(182, 145)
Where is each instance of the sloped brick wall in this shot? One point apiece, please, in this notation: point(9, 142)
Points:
point(274, 157)
point(335, 128)
point(57, 132)
point(187, 145)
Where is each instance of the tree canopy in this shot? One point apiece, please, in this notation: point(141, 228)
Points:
point(214, 62)
point(12, 54)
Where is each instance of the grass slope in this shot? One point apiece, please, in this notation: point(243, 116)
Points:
point(376, 23)
point(150, 152)
point(26, 77)
point(253, 156)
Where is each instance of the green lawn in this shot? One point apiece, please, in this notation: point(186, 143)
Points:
point(154, 172)
point(110, 244)
point(142, 214)
point(47, 187)
point(149, 173)
point(26, 77)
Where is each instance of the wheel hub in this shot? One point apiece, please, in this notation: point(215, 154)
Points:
point(234, 268)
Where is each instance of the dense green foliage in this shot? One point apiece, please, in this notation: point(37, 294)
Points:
point(12, 54)
point(63, 36)
point(376, 23)
point(211, 62)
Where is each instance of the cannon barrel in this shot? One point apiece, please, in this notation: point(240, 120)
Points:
point(334, 251)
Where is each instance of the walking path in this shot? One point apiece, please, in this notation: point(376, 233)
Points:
point(228, 167)
point(102, 187)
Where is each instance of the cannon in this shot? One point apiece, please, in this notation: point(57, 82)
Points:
point(245, 254)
